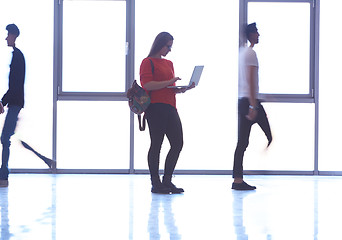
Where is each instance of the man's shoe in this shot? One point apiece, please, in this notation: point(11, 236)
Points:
point(242, 186)
point(3, 183)
point(51, 164)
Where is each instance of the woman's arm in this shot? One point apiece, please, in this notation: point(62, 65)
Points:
point(156, 85)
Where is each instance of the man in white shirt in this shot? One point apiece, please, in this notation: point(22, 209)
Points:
point(250, 110)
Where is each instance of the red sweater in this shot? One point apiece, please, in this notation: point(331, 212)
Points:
point(163, 71)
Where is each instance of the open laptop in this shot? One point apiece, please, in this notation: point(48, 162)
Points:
point(196, 75)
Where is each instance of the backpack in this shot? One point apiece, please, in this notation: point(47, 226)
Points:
point(139, 100)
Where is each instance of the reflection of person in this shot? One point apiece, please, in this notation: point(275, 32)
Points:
point(4, 223)
point(164, 203)
point(250, 110)
point(156, 74)
point(238, 214)
point(13, 98)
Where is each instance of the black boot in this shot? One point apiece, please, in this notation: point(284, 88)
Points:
point(158, 187)
point(167, 183)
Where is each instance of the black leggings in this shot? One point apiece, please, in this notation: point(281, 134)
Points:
point(244, 130)
point(163, 119)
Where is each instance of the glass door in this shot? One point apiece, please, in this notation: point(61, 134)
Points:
point(92, 116)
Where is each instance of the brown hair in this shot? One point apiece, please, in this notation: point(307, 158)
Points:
point(159, 42)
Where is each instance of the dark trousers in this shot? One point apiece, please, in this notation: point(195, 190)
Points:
point(163, 120)
point(244, 130)
point(7, 131)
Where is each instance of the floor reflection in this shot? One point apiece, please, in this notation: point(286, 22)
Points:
point(238, 199)
point(27, 208)
point(161, 213)
point(64, 207)
point(5, 229)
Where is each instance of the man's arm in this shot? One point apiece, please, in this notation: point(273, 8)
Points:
point(2, 110)
point(251, 73)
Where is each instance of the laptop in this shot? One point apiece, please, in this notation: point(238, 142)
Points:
point(196, 75)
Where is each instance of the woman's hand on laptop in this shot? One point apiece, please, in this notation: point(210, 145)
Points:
point(191, 86)
point(184, 89)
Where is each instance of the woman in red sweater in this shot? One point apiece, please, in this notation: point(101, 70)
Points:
point(156, 74)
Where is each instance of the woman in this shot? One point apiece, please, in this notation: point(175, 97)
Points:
point(156, 74)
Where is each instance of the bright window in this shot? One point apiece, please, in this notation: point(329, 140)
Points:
point(93, 135)
point(94, 41)
point(284, 46)
point(330, 88)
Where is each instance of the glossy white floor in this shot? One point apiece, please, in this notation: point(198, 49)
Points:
point(122, 207)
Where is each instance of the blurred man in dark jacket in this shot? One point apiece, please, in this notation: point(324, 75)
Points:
point(13, 99)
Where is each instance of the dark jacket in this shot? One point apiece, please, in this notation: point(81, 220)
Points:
point(15, 92)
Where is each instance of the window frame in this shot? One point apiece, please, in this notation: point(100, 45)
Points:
point(62, 95)
point(130, 44)
point(313, 61)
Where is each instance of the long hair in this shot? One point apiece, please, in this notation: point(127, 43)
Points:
point(159, 42)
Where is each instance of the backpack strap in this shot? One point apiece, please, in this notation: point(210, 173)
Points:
point(142, 122)
point(152, 65)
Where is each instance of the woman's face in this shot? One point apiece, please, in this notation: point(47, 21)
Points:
point(167, 48)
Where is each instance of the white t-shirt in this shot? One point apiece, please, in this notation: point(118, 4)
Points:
point(247, 57)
